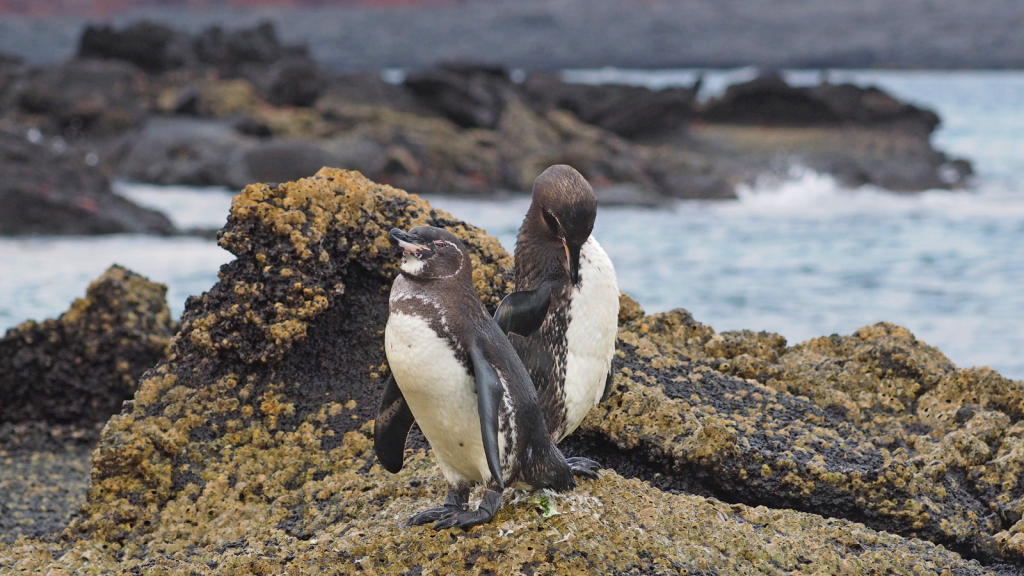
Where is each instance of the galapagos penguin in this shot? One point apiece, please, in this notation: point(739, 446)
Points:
point(563, 317)
point(456, 374)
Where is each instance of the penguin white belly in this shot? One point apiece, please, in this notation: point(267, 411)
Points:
point(590, 337)
point(440, 392)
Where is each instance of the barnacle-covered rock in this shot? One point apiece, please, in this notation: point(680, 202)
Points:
point(279, 360)
point(876, 427)
point(79, 368)
point(249, 449)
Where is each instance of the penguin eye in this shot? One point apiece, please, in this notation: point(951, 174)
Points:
point(551, 221)
point(439, 243)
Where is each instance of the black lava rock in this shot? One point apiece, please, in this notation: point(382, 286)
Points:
point(80, 368)
point(47, 189)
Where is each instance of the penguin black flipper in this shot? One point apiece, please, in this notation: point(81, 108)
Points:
point(523, 312)
point(391, 427)
point(489, 393)
point(607, 386)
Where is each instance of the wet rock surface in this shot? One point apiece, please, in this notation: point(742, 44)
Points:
point(49, 189)
point(862, 427)
point(227, 107)
point(768, 100)
point(249, 448)
point(78, 369)
point(629, 111)
point(81, 97)
point(40, 490)
point(60, 380)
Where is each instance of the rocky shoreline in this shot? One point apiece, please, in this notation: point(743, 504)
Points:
point(223, 107)
point(247, 447)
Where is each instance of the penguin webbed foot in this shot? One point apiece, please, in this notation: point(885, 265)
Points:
point(466, 519)
point(584, 467)
point(456, 502)
point(434, 515)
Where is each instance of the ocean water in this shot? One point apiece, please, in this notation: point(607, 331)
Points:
point(802, 257)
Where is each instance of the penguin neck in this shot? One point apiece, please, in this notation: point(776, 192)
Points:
point(540, 255)
point(455, 285)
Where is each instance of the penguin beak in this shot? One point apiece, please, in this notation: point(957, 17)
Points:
point(405, 240)
point(572, 257)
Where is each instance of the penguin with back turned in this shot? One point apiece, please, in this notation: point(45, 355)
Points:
point(456, 374)
point(563, 317)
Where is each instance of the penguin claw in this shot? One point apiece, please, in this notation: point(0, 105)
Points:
point(432, 515)
point(585, 467)
point(464, 520)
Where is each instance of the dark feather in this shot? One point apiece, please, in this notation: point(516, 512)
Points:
point(489, 392)
point(522, 313)
point(391, 427)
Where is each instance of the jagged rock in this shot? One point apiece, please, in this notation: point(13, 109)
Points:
point(79, 368)
point(629, 111)
point(230, 51)
point(369, 89)
point(151, 46)
point(93, 97)
point(768, 100)
point(875, 427)
point(156, 48)
point(47, 189)
point(472, 96)
point(896, 159)
point(182, 151)
point(195, 152)
point(873, 107)
point(249, 447)
point(293, 82)
point(285, 75)
point(283, 160)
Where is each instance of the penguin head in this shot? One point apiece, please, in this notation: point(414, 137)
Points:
point(562, 213)
point(430, 253)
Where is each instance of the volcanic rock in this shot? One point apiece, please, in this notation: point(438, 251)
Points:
point(48, 189)
point(472, 96)
point(189, 151)
point(79, 368)
point(863, 427)
point(249, 448)
point(629, 111)
point(156, 48)
point(296, 81)
point(151, 46)
point(81, 97)
point(230, 51)
point(60, 380)
point(181, 150)
point(768, 100)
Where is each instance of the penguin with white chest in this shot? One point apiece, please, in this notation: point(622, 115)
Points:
point(563, 317)
point(456, 374)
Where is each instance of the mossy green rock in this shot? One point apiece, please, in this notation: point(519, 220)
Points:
point(249, 450)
